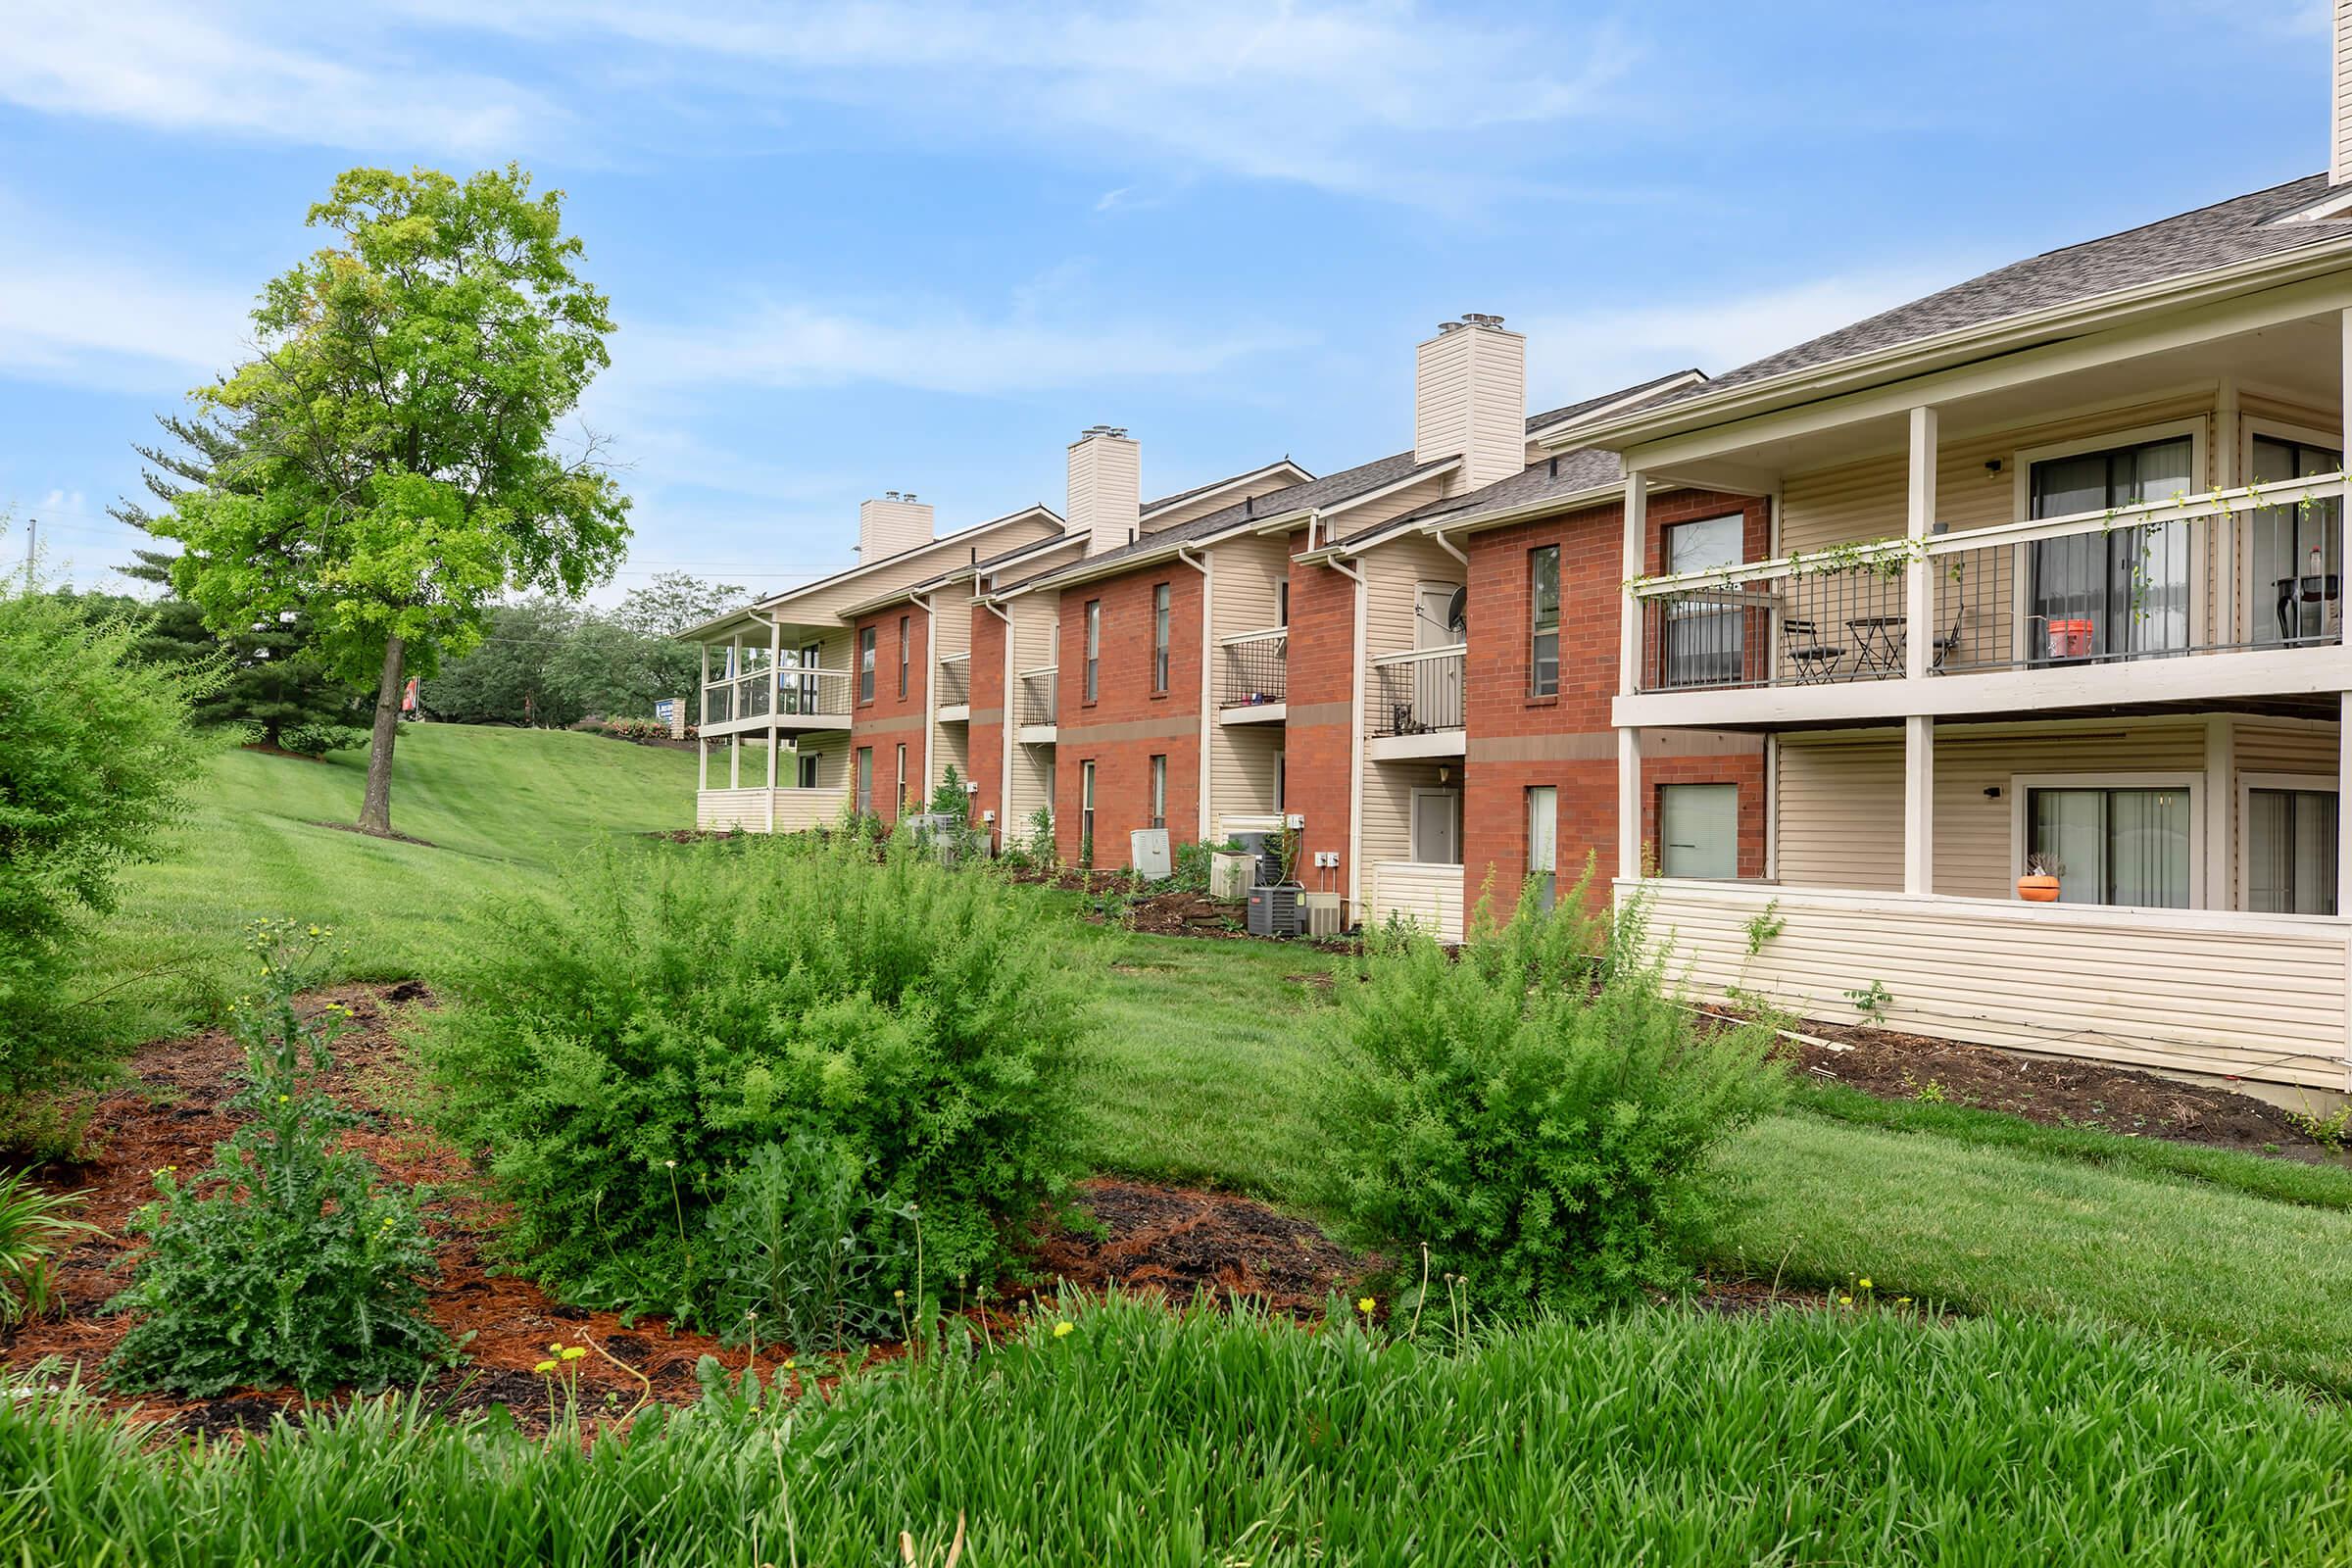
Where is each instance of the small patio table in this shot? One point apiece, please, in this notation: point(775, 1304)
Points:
point(1878, 641)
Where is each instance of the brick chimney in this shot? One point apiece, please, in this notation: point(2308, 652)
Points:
point(2339, 140)
point(1470, 400)
point(1106, 489)
point(891, 526)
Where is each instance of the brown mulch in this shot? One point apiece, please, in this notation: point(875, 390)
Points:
point(1180, 1242)
point(2053, 1091)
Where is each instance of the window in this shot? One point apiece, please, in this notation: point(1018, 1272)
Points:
point(808, 765)
point(1704, 641)
point(905, 651)
point(866, 781)
point(2120, 591)
point(795, 680)
point(2290, 850)
point(2114, 846)
point(1093, 649)
point(1158, 813)
point(2297, 581)
point(1282, 780)
point(1543, 593)
point(901, 775)
point(1544, 842)
point(1698, 830)
point(865, 663)
point(1085, 813)
point(1159, 637)
point(1281, 602)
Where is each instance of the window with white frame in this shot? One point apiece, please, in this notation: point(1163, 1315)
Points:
point(2117, 844)
point(866, 780)
point(1159, 637)
point(2291, 850)
point(905, 651)
point(865, 663)
point(1094, 648)
point(901, 775)
point(2121, 592)
point(1703, 640)
point(1698, 830)
point(1544, 637)
point(1543, 841)
point(1158, 803)
point(1085, 812)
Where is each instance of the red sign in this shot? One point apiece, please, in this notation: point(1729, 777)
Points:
point(408, 696)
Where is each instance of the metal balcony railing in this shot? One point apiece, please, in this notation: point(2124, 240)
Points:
point(1418, 693)
point(1255, 668)
point(955, 680)
point(1037, 688)
point(789, 691)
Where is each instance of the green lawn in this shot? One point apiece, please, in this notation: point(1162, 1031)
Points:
point(501, 808)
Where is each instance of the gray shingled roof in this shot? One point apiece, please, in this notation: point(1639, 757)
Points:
point(1332, 488)
point(1151, 506)
point(2238, 229)
point(1552, 417)
point(1567, 474)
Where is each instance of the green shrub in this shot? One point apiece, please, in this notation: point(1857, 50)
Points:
point(286, 1262)
point(97, 756)
point(692, 1004)
point(1537, 1114)
point(795, 1240)
point(34, 1224)
point(316, 740)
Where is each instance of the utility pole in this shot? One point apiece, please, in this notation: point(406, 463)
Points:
point(33, 548)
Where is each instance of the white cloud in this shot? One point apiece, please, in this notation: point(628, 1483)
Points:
point(1581, 354)
point(229, 68)
point(89, 321)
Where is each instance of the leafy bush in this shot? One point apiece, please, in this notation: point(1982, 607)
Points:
point(694, 1004)
point(316, 740)
point(34, 1224)
point(285, 1261)
point(97, 758)
point(1537, 1114)
point(797, 1240)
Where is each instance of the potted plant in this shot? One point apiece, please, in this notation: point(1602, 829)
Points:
point(2040, 884)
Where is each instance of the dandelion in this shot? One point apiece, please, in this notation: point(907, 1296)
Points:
point(1363, 1304)
point(1865, 1284)
point(555, 1349)
point(790, 1363)
point(1845, 1300)
point(898, 1295)
point(1063, 1327)
point(671, 1164)
point(573, 1352)
point(544, 1367)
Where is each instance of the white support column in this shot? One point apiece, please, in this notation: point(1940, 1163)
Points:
point(1629, 805)
point(1635, 563)
point(1919, 598)
point(2343, 773)
point(2228, 535)
point(776, 731)
point(2219, 807)
point(702, 709)
point(1918, 805)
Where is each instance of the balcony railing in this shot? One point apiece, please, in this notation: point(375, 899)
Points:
point(2254, 567)
point(955, 680)
point(1417, 693)
point(788, 692)
point(1037, 696)
point(1255, 668)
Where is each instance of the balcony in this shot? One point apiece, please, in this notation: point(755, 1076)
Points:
point(1253, 677)
point(1417, 704)
point(2117, 606)
point(1036, 708)
point(955, 688)
point(790, 698)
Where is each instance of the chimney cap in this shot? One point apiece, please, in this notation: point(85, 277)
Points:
point(1473, 318)
point(1116, 431)
point(1445, 327)
point(908, 497)
point(889, 495)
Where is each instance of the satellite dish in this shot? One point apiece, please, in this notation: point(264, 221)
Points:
point(1457, 614)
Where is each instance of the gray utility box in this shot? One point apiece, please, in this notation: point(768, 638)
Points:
point(1320, 913)
point(1230, 876)
point(1274, 910)
point(1148, 853)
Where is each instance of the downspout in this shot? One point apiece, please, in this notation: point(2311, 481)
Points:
point(1005, 732)
point(1199, 564)
point(1355, 737)
point(930, 695)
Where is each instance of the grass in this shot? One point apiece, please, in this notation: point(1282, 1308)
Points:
point(1658, 1437)
point(501, 808)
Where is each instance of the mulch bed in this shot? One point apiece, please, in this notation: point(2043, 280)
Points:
point(1180, 1242)
point(2051, 1090)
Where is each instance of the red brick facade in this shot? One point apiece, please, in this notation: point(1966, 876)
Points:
point(889, 720)
point(989, 717)
point(1318, 741)
point(1128, 723)
point(1518, 741)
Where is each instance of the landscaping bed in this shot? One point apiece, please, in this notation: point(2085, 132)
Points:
point(2053, 1091)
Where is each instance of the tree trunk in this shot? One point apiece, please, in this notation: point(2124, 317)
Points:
point(375, 809)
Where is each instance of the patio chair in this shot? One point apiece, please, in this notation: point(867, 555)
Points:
point(1814, 660)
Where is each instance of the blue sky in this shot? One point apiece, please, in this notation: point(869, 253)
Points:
point(919, 245)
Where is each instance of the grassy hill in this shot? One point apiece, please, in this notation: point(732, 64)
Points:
point(500, 808)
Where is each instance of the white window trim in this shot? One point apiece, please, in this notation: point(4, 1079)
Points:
point(1412, 818)
point(1666, 530)
point(2021, 464)
point(2250, 426)
point(2243, 828)
point(2020, 784)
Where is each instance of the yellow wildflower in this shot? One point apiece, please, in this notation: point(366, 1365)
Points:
point(1063, 1327)
point(1363, 1304)
point(574, 1351)
point(1865, 1284)
point(545, 1366)
point(1845, 1300)
point(555, 1349)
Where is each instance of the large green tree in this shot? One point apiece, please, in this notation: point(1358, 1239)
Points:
point(399, 470)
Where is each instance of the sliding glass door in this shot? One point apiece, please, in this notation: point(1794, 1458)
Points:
point(2290, 852)
point(2295, 591)
point(2124, 592)
point(2114, 846)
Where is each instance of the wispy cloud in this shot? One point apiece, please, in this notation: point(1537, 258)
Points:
point(1582, 353)
point(315, 76)
point(89, 320)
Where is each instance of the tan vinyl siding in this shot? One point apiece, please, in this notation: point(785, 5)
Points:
point(1386, 833)
point(1393, 570)
point(1218, 500)
point(1840, 797)
point(1430, 897)
point(745, 811)
point(1246, 574)
point(2261, 999)
point(823, 604)
point(1246, 578)
point(1372, 513)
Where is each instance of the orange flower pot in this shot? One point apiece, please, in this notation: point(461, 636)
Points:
point(2037, 889)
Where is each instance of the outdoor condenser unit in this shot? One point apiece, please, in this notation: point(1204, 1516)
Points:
point(1274, 911)
point(1321, 914)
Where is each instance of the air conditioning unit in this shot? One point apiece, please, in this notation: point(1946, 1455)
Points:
point(1274, 911)
point(1322, 913)
point(1230, 876)
point(1266, 849)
